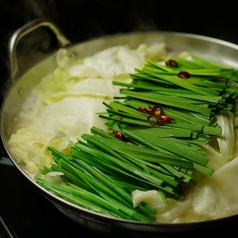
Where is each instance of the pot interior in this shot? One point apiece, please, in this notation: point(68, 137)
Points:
point(206, 47)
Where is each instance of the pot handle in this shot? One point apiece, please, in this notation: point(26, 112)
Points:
point(24, 30)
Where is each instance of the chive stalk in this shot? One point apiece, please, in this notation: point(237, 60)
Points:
point(155, 132)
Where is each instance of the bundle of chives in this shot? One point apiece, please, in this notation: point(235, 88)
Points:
point(191, 93)
point(155, 130)
point(103, 195)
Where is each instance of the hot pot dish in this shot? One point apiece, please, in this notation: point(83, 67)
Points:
point(131, 131)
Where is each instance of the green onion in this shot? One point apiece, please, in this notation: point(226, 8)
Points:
point(156, 130)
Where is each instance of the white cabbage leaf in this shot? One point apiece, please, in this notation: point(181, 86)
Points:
point(227, 139)
point(155, 52)
point(212, 198)
point(65, 103)
point(235, 149)
point(217, 195)
point(166, 211)
point(109, 63)
point(54, 177)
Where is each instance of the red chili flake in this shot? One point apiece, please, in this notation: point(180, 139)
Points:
point(119, 135)
point(171, 63)
point(157, 110)
point(184, 74)
point(156, 116)
point(153, 121)
point(164, 119)
point(167, 118)
point(142, 109)
point(150, 110)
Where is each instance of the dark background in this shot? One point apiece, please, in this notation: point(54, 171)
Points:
point(81, 20)
point(85, 19)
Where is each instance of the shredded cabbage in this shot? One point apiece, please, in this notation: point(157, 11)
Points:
point(63, 105)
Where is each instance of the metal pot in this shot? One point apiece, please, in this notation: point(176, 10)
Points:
point(24, 80)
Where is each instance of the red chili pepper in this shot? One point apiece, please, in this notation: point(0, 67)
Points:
point(152, 122)
point(156, 116)
point(150, 110)
point(142, 109)
point(164, 119)
point(157, 110)
point(119, 135)
point(184, 74)
point(171, 63)
point(167, 118)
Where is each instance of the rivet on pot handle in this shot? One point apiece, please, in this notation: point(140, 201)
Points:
point(24, 30)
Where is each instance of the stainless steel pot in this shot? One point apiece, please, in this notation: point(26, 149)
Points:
point(24, 80)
